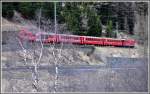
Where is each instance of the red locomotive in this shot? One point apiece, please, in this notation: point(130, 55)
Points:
point(87, 40)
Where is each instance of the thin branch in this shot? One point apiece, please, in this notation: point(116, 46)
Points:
point(24, 50)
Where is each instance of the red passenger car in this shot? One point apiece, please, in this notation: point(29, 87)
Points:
point(85, 40)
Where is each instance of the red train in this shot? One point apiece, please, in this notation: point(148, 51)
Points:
point(87, 40)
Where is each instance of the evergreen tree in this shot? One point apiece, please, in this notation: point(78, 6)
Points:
point(94, 26)
point(109, 28)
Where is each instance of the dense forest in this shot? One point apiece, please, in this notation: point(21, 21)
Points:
point(84, 18)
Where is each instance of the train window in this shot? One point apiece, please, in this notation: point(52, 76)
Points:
point(113, 40)
point(88, 38)
point(25, 34)
point(69, 37)
point(75, 38)
point(64, 37)
point(51, 36)
point(93, 39)
point(44, 36)
point(97, 39)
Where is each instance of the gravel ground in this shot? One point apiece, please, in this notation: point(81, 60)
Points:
point(119, 76)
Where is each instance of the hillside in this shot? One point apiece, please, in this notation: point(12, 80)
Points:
point(34, 67)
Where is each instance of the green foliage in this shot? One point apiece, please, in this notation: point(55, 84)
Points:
point(94, 25)
point(71, 15)
point(109, 29)
point(7, 10)
point(48, 10)
point(28, 9)
point(82, 18)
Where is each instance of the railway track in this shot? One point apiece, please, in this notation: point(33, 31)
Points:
point(113, 63)
point(84, 67)
point(130, 76)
